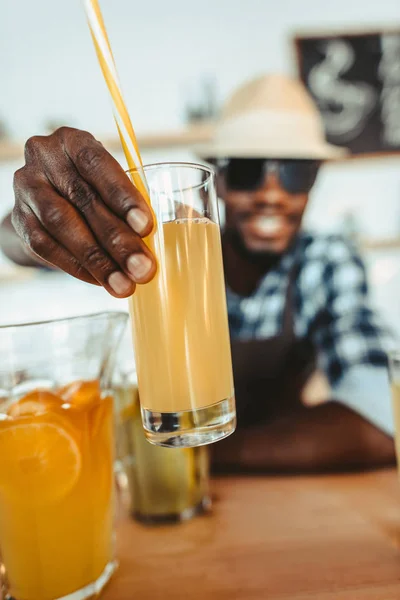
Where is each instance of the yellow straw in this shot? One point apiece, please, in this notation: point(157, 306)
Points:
point(121, 115)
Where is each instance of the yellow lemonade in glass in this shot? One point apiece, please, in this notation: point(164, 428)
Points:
point(179, 319)
point(56, 491)
point(181, 325)
point(165, 484)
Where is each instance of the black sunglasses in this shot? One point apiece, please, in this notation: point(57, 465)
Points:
point(247, 174)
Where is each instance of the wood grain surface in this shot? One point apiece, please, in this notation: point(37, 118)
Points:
point(300, 538)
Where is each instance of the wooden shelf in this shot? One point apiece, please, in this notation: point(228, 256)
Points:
point(193, 134)
point(10, 151)
point(380, 244)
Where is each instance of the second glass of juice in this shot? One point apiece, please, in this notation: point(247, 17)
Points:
point(180, 324)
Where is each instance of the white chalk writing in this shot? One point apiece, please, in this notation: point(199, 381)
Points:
point(389, 73)
point(345, 105)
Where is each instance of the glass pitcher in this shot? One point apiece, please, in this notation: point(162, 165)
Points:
point(56, 457)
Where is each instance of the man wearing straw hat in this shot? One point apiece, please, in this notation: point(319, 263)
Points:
point(297, 302)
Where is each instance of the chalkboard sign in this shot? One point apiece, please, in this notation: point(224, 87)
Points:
point(355, 80)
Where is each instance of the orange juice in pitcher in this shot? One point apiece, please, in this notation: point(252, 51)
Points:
point(56, 460)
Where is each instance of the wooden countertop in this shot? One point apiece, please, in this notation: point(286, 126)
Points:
point(299, 538)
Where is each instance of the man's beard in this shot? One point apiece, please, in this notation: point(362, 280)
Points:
point(263, 258)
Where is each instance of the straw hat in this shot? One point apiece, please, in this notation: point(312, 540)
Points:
point(272, 116)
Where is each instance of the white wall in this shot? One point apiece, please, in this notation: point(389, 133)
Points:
point(50, 67)
point(48, 70)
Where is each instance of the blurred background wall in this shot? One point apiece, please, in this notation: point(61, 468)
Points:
point(49, 73)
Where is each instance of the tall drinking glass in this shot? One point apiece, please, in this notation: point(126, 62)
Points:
point(56, 457)
point(157, 484)
point(180, 324)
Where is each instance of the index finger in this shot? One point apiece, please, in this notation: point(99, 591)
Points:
point(108, 178)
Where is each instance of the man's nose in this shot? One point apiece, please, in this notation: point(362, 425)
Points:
point(269, 192)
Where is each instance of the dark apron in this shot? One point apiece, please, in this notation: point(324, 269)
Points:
point(270, 373)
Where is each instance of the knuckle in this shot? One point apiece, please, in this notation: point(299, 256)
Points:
point(121, 199)
point(33, 146)
point(19, 179)
point(81, 195)
point(37, 241)
point(16, 220)
point(23, 223)
point(89, 157)
point(116, 241)
point(94, 258)
point(28, 186)
point(51, 217)
point(65, 133)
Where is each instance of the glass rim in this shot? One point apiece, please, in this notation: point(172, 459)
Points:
point(89, 316)
point(171, 163)
point(178, 164)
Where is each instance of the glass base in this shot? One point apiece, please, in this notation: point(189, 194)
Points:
point(190, 428)
point(185, 515)
point(89, 591)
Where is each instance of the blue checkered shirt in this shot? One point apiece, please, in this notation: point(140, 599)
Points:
point(331, 309)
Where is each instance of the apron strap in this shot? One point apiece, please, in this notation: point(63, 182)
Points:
point(290, 300)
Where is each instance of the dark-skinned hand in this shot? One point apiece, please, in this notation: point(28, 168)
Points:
point(77, 210)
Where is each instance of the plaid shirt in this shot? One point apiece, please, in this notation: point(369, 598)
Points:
point(331, 309)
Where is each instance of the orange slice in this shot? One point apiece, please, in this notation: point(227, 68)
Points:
point(40, 460)
point(35, 403)
point(81, 393)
